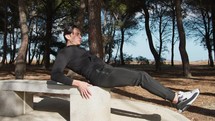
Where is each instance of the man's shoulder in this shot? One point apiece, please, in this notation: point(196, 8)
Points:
point(67, 48)
point(71, 50)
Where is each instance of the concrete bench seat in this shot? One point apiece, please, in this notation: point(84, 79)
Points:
point(16, 98)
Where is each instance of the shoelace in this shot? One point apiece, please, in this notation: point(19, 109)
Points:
point(181, 96)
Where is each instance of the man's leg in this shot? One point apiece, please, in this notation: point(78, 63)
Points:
point(117, 77)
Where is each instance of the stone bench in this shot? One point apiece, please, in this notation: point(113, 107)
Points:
point(16, 98)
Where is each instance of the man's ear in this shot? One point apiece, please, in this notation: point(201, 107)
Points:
point(67, 36)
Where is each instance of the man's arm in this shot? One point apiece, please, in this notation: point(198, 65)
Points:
point(57, 73)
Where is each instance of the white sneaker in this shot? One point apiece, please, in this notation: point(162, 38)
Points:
point(185, 99)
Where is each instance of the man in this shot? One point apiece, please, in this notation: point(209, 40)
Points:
point(101, 74)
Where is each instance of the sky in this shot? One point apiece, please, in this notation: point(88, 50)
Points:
point(141, 48)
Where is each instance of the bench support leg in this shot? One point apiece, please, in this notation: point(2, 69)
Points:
point(97, 108)
point(15, 103)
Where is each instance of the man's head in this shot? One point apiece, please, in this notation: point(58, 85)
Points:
point(72, 35)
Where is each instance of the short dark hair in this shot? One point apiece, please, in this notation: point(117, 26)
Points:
point(68, 29)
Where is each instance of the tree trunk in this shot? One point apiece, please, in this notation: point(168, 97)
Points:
point(80, 21)
point(160, 37)
point(111, 44)
point(13, 44)
point(148, 33)
point(208, 44)
point(206, 19)
point(95, 38)
point(182, 44)
point(213, 26)
point(48, 38)
point(5, 35)
point(20, 60)
point(173, 35)
point(121, 47)
point(29, 44)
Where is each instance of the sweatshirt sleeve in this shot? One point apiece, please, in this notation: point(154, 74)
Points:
point(57, 73)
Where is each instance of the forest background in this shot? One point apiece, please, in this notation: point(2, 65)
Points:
point(106, 27)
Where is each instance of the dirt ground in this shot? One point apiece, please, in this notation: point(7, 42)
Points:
point(203, 109)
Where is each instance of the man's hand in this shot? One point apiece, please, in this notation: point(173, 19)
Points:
point(83, 88)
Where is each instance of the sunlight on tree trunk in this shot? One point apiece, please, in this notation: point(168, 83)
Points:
point(20, 59)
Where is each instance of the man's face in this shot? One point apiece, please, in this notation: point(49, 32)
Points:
point(75, 37)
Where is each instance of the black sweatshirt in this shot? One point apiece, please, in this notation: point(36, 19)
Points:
point(77, 59)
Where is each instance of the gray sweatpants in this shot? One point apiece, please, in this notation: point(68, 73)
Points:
point(117, 77)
